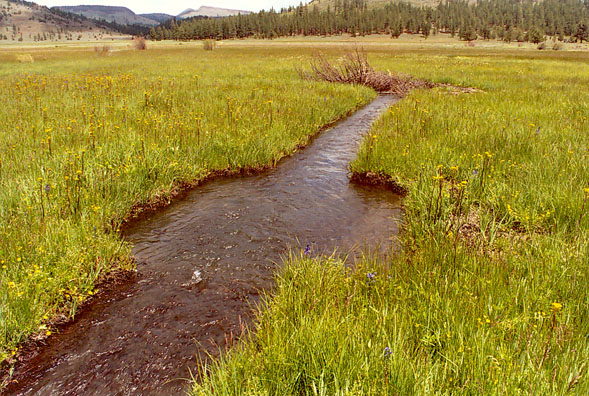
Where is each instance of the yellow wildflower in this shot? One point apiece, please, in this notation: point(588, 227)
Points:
point(556, 306)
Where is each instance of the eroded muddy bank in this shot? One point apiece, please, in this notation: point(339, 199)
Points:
point(201, 263)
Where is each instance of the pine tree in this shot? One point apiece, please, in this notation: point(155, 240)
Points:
point(535, 35)
point(582, 33)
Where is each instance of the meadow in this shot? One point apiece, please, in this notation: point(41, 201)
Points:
point(86, 140)
point(488, 291)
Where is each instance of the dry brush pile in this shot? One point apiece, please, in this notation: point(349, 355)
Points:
point(353, 68)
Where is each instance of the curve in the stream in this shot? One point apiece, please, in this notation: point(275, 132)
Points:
point(201, 263)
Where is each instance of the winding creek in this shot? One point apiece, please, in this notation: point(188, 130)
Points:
point(201, 263)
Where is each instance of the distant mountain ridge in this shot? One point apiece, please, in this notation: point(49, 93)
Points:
point(124, 16)
point(120, 15)
point(212, 12)
point(158, 17)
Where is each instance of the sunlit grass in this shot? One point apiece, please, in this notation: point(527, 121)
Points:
point(488, 293)
point(84, 138)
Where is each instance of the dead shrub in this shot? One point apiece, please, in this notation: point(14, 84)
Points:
point(105, 50)
point(139, 43)
point(209, 45)
point(354, 68)
point(25, 58)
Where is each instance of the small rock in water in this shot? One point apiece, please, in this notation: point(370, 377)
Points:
point(196, 276)
point(195, 280)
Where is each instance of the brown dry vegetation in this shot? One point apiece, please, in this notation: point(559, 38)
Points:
point(353, 68)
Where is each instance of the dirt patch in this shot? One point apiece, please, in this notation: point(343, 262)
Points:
point(376, 179)
point(455, 90)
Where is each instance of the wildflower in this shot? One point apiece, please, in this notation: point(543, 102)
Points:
point(308, 250)
point(387, 352)
point(47, 188)
point(475, 172)
point(538, 131)
point(370, 277)
point(556, 306)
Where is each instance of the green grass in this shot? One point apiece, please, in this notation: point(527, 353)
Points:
point(84, 138)
point(488, 294)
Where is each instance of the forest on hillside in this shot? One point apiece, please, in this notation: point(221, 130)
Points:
point(508, 20)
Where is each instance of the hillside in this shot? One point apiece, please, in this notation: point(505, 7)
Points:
point(158, 17)
point(25, 21)
point(120, 15)
point(212, 12)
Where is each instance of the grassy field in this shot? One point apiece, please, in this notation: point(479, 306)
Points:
point(84, 138)
point(488, 294)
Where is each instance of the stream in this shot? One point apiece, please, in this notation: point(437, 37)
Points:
point(202, 262)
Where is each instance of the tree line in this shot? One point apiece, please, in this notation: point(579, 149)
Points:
point(508, 20)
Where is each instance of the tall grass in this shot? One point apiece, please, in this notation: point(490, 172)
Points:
point(85, 138)
point(488, 293)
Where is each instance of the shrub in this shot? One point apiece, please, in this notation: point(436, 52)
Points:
point(209, 45)
point(25, 58)
point(139, 43)
point(355, 69)
point(103, 51)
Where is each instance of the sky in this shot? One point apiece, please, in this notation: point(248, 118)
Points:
point(175, 7)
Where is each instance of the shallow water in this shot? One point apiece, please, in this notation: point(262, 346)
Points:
point(201, 263)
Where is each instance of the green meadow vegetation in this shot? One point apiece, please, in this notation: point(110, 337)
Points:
point(488, 293)
point(85, 139)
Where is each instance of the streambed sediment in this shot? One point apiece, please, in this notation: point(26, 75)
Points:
point(201, 263)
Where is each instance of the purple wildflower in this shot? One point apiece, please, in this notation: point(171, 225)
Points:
point(308, 250)
point(47, 188)
point(387, 353)
point(370, 277)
